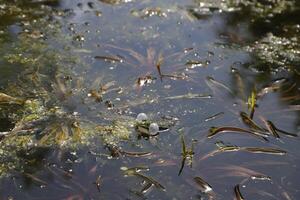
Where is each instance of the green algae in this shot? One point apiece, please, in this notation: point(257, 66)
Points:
point(258, 9)
point(41, 122)
point(277, 53)
point(116, 132)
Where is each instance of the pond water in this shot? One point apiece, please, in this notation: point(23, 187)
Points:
point(219, 78)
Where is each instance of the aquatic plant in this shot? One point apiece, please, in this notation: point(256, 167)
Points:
point(258, 9)
point(276, 53)
point(152, 61)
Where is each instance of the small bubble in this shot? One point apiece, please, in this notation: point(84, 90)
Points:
point(153, 128)
point(141, 117)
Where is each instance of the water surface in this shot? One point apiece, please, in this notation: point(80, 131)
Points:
point(190, 64)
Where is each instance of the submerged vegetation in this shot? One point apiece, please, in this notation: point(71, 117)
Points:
point(99, 93)
point(278, 53)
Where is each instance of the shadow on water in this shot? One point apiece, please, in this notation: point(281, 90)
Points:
point(217, 81)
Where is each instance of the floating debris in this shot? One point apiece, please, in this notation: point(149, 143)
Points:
point(147, 188)
point(205, 187)
point(135, 169)
point(215, 116)
point(109, 104)
point(87, 51)
point(187, 154)
point(239, 82)
point(264, 150)
point(6, 99)
point(145, 178)
point(79, 38)
point(153, 59)
point(259, 150)
point(286, 195)
point(252, 103)
point(181, 76)
point(96, 95)
point(237, 192)
point(150, 180)
point(144, 131)
point(112, 59)
point(249, 122)
point(149, 12)
point(272, 87)
point(117, 152)
point(271, 128)
point(216, 85)
point(221, 150)
point(244, 172)
point(159, 62)
point(136, 154)
point(35, 179)
point(215, 130)
point(189, 96)
point(197, 63)
point(145, 80)
point(115, 2)
point(275, 129)
point(98, 182)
